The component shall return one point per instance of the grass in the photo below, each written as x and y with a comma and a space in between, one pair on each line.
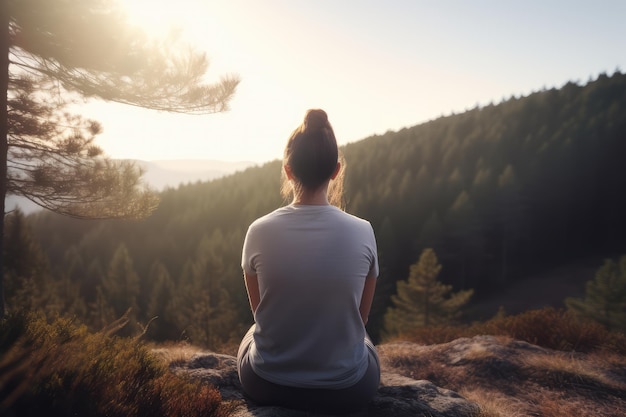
174, 353
494, 404
593, 371
59, 369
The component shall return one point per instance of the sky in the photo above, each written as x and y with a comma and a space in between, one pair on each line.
374, 66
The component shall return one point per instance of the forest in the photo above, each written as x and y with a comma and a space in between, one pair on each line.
499, 192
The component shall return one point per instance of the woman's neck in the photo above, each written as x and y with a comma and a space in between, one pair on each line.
312, 198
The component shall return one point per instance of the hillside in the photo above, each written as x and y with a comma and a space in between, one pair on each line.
502, 193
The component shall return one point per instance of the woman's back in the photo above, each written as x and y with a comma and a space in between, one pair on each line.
311, 262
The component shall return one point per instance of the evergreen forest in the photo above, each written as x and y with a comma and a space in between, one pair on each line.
499, 192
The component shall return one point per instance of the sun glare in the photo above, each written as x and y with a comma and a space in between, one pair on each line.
157, 17
192, 21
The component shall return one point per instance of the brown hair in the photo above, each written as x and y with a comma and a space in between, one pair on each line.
312, 155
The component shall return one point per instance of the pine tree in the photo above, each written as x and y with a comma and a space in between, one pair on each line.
605, 296
422, 300
24, 257
160, 304
63, 298
26, 269
54, 52
118, 293
201, 308
214, 315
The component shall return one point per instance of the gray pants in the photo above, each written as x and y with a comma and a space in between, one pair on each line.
336, 401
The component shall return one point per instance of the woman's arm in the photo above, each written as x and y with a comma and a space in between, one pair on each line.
252, 286
367, 297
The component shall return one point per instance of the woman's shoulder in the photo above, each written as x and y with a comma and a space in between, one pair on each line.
354, 224
270, 217
354, 218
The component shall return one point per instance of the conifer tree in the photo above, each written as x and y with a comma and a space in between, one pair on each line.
94, 275
605, 296
24, 257
68, 299
54, 52
119, 291
422, 300
201, 309
26, 270
214, 316
160, 304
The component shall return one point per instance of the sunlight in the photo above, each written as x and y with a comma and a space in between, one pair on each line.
157, 17
202, 26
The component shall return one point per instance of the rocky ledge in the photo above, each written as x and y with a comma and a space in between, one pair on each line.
482, 376
398, 395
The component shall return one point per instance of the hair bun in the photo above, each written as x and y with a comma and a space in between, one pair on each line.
315, 119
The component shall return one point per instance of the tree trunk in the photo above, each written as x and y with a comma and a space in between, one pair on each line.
4, 127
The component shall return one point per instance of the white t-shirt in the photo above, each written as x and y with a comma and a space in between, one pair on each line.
311, 262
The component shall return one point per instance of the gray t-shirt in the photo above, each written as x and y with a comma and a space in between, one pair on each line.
311, 262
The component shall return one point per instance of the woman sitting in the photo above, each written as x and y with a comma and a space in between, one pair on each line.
310, 271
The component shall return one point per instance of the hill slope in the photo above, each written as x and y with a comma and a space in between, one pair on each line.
501, 193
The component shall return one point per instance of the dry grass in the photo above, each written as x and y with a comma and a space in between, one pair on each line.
594, 370
477, 352
175, 353
544, 404
60, 369
547, 327
493, 404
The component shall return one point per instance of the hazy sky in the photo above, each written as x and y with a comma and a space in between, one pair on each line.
373, 66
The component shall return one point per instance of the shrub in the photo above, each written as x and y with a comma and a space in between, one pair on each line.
547, 327
60, 369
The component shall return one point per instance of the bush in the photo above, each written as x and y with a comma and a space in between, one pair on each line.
60, 369
547, 327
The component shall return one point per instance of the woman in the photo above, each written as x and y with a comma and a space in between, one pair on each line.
310, 271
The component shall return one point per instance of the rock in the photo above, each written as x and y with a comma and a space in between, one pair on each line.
398, 396
215, 369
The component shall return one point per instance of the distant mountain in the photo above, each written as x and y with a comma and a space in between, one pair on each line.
172, 173
161, 175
